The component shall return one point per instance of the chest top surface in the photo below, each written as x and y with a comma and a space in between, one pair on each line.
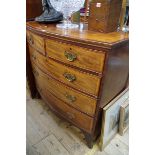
82, 34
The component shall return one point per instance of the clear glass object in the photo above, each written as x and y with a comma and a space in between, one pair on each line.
125, 28
67, 7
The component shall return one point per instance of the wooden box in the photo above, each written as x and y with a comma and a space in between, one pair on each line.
104, 15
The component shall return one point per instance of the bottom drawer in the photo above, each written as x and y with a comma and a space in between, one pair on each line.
72, 115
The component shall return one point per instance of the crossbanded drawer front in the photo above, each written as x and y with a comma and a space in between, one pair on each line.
72, 77
79, 119
36, 41
77, 56
74, 98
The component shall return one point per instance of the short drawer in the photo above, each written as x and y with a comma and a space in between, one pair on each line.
36, 41
72, 97
72, 115
72, 77
37, 58
75, 55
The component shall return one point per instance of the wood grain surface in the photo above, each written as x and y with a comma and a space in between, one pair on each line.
85, 58
36, 41
33, 9
77, 118
100, 74
82, 35
104, 15
82, 102
117, 73
29, 74
86, 82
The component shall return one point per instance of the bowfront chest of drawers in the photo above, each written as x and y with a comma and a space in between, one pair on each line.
77, 72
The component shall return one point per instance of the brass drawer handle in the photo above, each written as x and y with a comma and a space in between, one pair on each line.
69, 77
35, 72
70, 56
31, 39
70, 97
34, 57
70, 115
39, 89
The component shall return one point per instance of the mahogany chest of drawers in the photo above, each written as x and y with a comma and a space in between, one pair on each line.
78, 72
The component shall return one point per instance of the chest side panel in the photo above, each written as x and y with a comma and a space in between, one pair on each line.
116, 74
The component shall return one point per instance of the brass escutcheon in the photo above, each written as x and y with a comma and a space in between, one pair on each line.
70, 56
69, 77
35, 72
70, 97
70, 115
31, 39
34, 57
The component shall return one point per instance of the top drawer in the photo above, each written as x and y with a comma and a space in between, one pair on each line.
74, 55
36, 41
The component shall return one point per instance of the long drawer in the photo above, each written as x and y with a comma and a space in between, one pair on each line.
72, 115
77, 118
72, 97
72, 77
74, 55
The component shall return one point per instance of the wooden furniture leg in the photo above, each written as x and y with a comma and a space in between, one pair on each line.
89, 139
